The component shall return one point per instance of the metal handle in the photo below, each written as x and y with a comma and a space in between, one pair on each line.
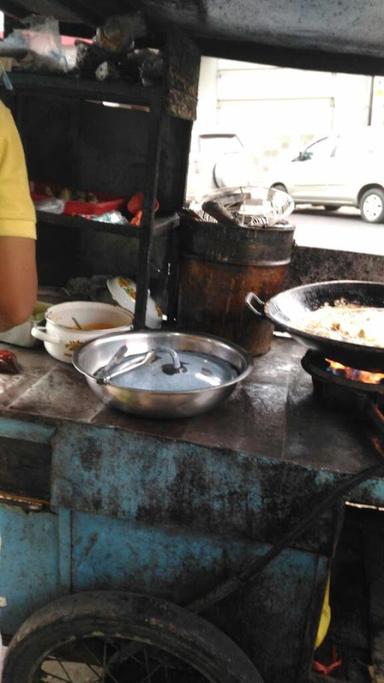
115, 360
116, 366
39, 332
255, 304
219, 212
104, 377
175, 357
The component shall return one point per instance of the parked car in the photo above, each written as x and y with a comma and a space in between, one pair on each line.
337, 170
218, 160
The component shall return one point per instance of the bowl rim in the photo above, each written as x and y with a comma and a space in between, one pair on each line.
100, 304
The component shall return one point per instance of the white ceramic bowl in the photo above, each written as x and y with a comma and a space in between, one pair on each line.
60, 334
123, 291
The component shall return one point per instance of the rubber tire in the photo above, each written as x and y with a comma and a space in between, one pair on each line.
218, 183
279, 186
380, 193
138, 617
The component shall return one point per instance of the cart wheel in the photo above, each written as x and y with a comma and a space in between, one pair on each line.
111, 637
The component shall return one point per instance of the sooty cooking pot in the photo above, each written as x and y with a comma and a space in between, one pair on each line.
162, 374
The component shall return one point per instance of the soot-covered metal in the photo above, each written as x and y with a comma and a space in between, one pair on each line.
343, 36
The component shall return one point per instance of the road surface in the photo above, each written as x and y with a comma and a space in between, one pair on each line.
342, 229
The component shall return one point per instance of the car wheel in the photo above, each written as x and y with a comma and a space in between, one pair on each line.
331, 207
372, 205
279, 186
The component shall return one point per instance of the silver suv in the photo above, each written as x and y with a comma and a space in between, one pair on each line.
338, 170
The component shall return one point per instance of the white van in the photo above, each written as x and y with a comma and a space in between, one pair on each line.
337, 170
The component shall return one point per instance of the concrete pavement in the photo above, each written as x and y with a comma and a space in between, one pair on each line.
342, 230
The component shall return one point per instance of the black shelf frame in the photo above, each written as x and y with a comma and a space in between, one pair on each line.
151, 102
161, 225
147, 98
176, 97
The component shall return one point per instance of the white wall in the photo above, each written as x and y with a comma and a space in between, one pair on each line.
278, 110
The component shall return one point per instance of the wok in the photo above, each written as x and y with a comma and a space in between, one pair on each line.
286, 309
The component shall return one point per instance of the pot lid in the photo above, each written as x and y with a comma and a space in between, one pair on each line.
165, 370
123, 291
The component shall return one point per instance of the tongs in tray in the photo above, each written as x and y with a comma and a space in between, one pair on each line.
116, 366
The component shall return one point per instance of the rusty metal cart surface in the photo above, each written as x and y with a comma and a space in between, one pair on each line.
93, 500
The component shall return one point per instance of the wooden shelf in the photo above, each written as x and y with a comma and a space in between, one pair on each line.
162, 225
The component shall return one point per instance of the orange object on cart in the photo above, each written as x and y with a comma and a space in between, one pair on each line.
135, 206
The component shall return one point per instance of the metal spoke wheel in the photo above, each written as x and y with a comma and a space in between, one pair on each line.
108, 637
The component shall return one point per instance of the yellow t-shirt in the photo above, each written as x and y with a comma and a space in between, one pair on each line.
17, 213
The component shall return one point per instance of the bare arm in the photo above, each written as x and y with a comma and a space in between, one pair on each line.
18, 280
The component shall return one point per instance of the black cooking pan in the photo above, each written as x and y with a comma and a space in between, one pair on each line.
286, 309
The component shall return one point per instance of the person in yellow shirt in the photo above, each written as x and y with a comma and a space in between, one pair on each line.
18, 277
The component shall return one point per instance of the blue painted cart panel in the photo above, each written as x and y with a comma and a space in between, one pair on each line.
179, 565
161, 482
34, 562
45, 554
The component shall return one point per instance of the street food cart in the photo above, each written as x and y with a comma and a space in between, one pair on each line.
187, 549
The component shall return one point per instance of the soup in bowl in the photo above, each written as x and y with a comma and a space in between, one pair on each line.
71, 324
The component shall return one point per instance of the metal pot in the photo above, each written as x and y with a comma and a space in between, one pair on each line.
162, 374
221, 261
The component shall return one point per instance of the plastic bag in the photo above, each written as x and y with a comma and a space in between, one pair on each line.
51, 205
114, 217
41, 42
120, 31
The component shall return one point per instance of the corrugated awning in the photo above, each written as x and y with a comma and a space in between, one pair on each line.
346, 33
